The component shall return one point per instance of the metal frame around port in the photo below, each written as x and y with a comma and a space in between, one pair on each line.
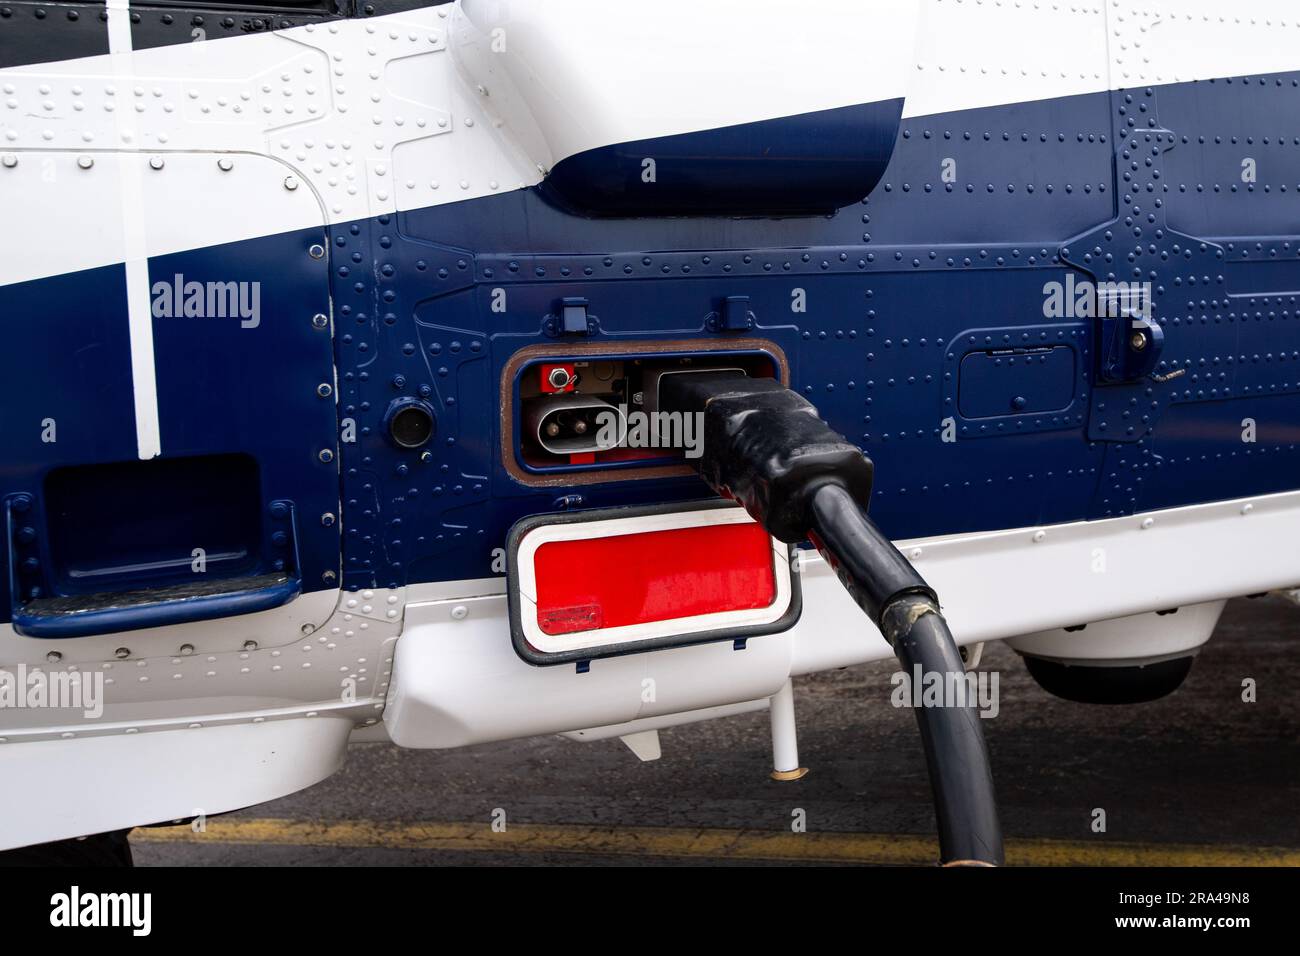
603, 472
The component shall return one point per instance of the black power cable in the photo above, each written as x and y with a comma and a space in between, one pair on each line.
766, 447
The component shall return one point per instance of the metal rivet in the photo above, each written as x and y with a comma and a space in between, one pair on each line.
1040, 535
187, 649
54, 657
290, 183
328, 577
326, 455
156, 162
1148, 522
320, 320
85, 162
308, 629
1138, 341
1247, 509
459, 612
122, 653
324, 390
9, 160
317, 251
250, 645
225, 165
327, 519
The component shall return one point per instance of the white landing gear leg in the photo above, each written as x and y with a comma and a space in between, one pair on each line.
785, 744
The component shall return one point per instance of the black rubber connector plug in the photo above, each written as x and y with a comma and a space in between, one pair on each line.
768, 448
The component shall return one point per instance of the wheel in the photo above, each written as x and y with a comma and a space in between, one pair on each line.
1091, 684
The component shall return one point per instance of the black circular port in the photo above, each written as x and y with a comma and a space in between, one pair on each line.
410, 423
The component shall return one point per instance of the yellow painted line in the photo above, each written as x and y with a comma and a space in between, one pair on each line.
717, 844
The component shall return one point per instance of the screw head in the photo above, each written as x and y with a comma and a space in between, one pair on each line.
326, 455
9, 160
54, 657
327, 519
85, 162
324, 390
122, 653
225, 165
1138, 341
290, 183
328, 577
187, 649
156, 162
320, 320
250, 645
316, 251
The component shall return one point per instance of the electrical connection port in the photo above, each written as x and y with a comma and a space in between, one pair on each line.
591, 410
575, 425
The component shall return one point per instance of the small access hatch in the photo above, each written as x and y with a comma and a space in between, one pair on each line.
1016, 381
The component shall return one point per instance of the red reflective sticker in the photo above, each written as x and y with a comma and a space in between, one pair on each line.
627, 579
567, 620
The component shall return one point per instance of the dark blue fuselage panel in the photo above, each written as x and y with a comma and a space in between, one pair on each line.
918, 320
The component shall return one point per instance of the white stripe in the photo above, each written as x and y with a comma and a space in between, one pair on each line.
383, 114
119, 26
371, 115
144, 383
583, 74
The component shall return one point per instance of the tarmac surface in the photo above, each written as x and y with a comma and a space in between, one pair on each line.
1198, 777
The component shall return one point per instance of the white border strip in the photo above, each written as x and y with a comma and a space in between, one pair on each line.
613, 527
144, 382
